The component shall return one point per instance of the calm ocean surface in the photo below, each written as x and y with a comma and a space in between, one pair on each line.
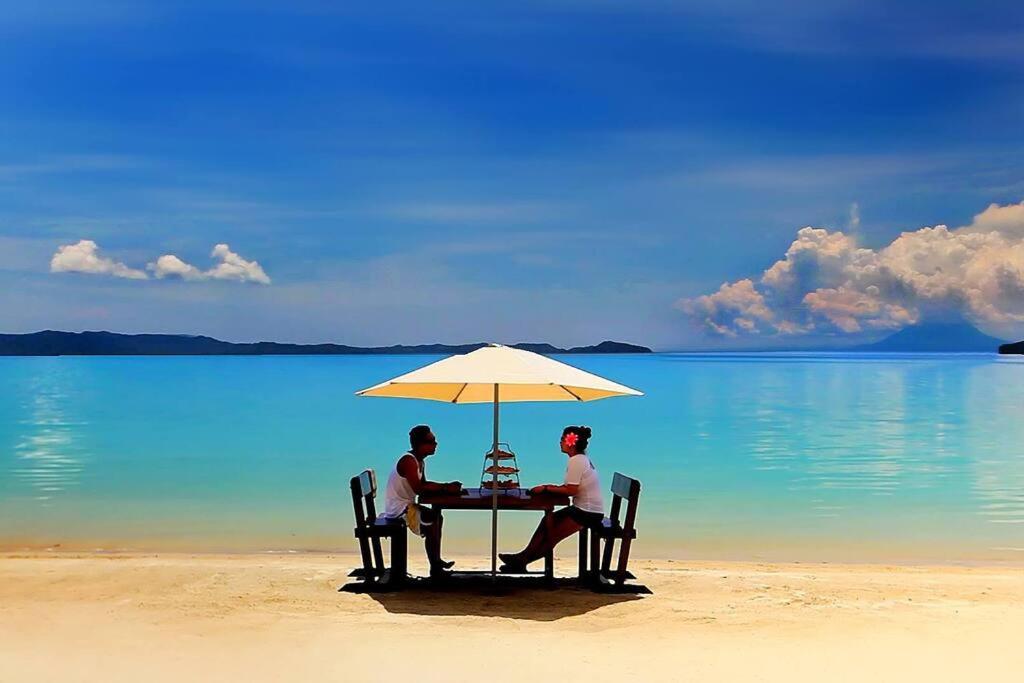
781, 456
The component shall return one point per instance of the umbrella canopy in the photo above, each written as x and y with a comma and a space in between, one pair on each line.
520, 376
493, 374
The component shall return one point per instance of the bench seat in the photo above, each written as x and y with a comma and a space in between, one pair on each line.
609, 528
371, 528
625, 490
381, 527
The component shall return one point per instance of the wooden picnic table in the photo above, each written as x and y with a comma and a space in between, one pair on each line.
508, 499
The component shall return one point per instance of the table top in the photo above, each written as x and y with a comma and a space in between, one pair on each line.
508, 499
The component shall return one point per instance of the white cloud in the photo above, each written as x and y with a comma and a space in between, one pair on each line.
231, 267
853, 311
734, 309
826, 282
84, 257
1007, 220
234, 267
170, 265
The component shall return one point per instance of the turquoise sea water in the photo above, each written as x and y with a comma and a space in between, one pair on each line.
774, 456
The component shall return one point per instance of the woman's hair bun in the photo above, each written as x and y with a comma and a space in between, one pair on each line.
583, 434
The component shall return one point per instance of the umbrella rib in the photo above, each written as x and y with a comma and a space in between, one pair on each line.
464, 385
570, 392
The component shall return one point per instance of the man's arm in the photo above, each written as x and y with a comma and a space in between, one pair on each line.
409, 468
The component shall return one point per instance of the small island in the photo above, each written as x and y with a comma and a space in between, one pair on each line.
1015, 347
55, 343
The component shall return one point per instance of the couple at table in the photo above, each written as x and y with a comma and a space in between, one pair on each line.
408, 479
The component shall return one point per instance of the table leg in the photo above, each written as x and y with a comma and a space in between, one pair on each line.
549, 556
438, 510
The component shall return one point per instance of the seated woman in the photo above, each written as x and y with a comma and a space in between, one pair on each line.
587, 509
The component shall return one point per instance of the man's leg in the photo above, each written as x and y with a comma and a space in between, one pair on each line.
432, 544
445, 564
430, 524
432, 532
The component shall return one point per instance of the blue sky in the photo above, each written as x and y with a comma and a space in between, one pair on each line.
563, 171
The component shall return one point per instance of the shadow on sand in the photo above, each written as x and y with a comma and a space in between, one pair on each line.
510, 597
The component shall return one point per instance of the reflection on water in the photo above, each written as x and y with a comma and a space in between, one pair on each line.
814, 432
889, 430
48, 461
1000, 483
998, 457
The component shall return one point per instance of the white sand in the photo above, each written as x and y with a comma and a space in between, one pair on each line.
257, 617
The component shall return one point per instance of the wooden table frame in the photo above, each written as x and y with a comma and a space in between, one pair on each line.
508, 499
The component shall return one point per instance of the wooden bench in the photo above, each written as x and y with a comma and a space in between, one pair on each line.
370, 528
600, 573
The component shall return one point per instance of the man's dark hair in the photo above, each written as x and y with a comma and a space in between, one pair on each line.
418, 435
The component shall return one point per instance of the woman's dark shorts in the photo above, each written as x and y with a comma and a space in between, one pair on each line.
582, 517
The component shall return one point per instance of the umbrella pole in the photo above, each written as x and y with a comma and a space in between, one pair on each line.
494, 494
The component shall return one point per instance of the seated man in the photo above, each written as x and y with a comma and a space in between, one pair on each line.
406, 481
587, 509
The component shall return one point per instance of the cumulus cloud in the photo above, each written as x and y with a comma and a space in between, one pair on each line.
735, 308
170, 265
1007, 220
84, 257
826, 282
234, 267
231, 267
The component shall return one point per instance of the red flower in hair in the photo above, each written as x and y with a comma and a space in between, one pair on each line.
571, 438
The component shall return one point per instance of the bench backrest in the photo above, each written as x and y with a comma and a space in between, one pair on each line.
364, 490
624, 489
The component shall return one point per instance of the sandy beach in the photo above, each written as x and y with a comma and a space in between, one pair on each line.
83, 617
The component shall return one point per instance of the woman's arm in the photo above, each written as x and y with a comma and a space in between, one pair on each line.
557, 489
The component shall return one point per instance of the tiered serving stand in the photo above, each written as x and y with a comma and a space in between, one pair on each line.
501, 470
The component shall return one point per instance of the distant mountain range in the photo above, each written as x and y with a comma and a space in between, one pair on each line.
928, 337
53, 343
946, 337
935, 337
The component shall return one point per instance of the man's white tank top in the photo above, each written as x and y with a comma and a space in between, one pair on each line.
398, 494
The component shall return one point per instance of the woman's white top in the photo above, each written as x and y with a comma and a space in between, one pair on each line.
580, 471
398, 494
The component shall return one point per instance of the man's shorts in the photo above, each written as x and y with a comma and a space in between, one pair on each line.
582, 517
418, 517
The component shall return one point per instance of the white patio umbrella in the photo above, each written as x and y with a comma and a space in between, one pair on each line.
495, 374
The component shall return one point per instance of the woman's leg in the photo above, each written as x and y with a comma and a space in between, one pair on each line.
562, 526
536, 541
